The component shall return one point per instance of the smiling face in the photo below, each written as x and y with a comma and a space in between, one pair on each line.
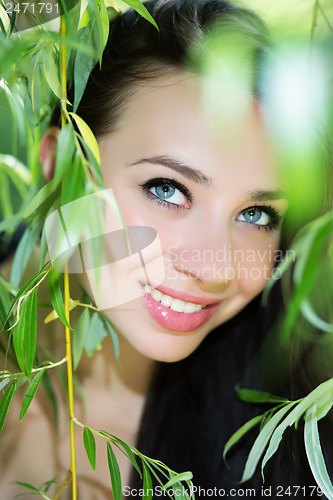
215, 202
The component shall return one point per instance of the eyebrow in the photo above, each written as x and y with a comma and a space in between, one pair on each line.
182, 168
200, 178
277, 194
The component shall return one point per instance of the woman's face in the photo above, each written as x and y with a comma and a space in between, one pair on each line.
213, 196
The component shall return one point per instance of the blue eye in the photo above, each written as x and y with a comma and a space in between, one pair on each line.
264, 217
167, 192
164, 191
255, 216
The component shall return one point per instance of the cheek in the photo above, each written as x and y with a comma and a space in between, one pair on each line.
254, 264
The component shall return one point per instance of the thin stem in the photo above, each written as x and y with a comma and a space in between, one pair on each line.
6, 374
63, 486
70, 386
63, 82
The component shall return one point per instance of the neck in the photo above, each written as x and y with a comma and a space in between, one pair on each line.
130, 375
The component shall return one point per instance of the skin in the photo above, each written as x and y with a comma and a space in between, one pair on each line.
168, 118
165, 118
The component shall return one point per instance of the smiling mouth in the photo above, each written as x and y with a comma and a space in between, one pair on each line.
172, 303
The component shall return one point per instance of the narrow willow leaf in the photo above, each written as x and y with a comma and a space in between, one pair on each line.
4, 405
18, 339
65, 152
83, 66
56, 297
126, 449
105, 28
90, 446
26, 485
261, 442
184, 476
30, 394
30, 330
251, 396
4, 382
51, 72
240, 433
80, 336
4, 304
87, 136
96, 334
42, 195
23, 252
316, 395
114, 338
73, 186
141, 9
114, 473
315, 454
147, 483
24, 288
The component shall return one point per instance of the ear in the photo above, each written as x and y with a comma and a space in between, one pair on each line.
47, 152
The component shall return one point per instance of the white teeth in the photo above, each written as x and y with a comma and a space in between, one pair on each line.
147, 289
189, 307
178, 305
166, 300
156, 295
174, 304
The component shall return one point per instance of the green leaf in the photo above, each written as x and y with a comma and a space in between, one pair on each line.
30, 330
96, 334
51, 72
56, 297
87, 136
240, 433
294, 416
4, 405
114, 473
261, 442
114, 338
141, 9
24, 288
184, 476
147, 483
30, 394
90, 446
73, 186
127, 450
18, 339
251, 396
23, 252
315, 454
4, 382
65, 152
80, 336
42, 196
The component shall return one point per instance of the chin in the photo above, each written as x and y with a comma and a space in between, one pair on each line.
167, 347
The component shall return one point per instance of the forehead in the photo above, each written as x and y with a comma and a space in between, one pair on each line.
170, 117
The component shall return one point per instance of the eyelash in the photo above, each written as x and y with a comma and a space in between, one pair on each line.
275, 217
146, 186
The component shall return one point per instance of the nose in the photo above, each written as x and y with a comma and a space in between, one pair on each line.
206, 256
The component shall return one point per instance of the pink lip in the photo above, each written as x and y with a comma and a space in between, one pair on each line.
176, 321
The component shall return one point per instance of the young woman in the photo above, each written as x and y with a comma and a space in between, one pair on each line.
204, 178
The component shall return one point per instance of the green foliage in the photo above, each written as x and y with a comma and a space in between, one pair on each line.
24, 337
4, 404
30, 394
90, 446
